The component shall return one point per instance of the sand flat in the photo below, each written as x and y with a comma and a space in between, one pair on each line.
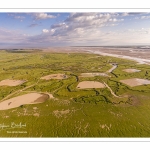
14, 102
90, 84
135, 82
131, 70
139, 60
54, 76
9, 82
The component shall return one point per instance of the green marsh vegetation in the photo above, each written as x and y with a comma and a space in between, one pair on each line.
75, 112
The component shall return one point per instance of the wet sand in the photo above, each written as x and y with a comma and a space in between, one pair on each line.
136, 53
135, 82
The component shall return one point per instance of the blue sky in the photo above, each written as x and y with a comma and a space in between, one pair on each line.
35, 30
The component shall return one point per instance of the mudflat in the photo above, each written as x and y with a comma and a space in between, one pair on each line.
31, 98
9, 82
54, 76
135, 82
90, 84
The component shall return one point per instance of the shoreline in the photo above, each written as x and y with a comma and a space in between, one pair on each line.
139, 60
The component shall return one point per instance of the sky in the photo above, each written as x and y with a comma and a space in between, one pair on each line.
44, 29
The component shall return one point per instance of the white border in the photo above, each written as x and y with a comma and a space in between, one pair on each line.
75, 4
65, 10
72, 139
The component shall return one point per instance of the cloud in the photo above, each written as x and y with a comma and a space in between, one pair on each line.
11, 36
88, 19
125, 14
126, 37
139, 31
115, 20
77, 28
79, 25
33, 25
80, 29
19, 17
58, 25
45, 31
145, 17
142, 17
39, 16
136, 13
85, 21
16, 16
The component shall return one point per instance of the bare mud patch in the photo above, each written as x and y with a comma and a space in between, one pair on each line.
135, 82
31, 98
90, 84
9, 82
131, 70
54, 76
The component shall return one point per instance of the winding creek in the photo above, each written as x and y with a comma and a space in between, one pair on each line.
113, 68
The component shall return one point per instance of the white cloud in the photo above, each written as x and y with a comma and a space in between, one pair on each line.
139, 31
38, 16
19, 17
52, 30
82, 28
11, 36
33, 25
125, 14
45, 31
89, 19
115, 20
16, 16
145, 17
142, 17
85, 22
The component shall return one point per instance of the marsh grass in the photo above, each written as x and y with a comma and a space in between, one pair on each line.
74, 112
